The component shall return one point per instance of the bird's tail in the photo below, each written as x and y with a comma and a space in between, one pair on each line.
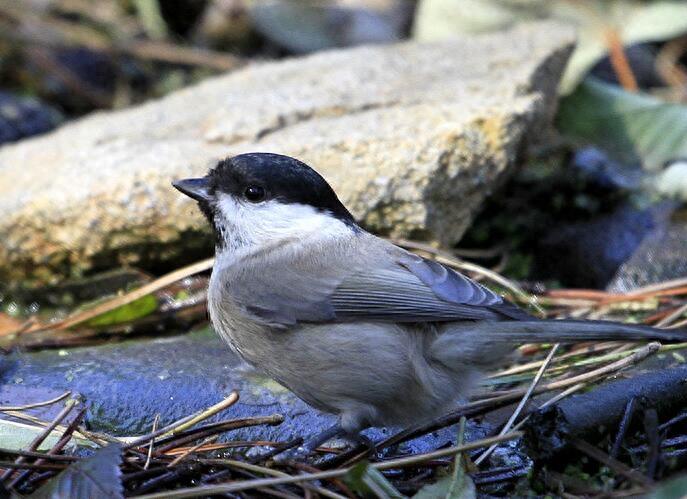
569, 331
481, 343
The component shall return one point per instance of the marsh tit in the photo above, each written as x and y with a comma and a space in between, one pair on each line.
352, 324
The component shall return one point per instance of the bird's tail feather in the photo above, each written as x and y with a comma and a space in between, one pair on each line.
567, 331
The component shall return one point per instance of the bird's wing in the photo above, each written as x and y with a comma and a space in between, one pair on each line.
393, 286
414, 289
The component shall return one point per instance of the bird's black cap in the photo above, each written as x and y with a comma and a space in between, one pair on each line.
281, 178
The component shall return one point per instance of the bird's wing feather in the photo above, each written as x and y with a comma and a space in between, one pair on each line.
399, 295
394, 286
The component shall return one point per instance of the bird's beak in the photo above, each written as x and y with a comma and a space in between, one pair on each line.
196, 188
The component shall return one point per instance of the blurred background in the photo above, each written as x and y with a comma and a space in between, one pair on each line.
77, 56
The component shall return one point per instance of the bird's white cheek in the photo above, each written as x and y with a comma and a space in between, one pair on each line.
248, 224
257, 224
230, 217
228, 207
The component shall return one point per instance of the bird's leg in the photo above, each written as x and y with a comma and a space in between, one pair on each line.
364, 441
310, 444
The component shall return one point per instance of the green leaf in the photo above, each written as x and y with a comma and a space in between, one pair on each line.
126, 313
458, 484
96, 476
673, 489
444, 489
18, 436
629, 126
633, 20
150, 16
653, 21
366, 481
441, 19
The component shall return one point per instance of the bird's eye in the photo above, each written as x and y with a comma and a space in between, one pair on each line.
254, 193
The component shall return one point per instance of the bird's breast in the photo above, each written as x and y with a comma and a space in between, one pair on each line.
251, 339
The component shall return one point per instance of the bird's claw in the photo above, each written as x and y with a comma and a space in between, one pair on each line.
261, 453
296, 454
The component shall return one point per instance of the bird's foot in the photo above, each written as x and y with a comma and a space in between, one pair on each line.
367, 442
307, 448
296, 454
260, 453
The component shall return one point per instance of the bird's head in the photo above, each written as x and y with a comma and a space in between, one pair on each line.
261, 198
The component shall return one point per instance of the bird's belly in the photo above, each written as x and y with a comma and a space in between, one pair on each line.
368, 373
268, 350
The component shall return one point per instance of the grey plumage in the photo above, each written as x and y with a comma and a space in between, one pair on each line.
374, 343
322, 283
352, 324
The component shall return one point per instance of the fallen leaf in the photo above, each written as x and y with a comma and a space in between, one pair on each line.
631, 127
368, 481
633, 21
96, 476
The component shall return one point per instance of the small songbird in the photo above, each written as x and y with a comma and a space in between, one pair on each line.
352, 324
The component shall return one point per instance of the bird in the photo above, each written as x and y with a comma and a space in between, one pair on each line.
352, 324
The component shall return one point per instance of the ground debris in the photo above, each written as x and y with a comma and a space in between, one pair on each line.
550, 430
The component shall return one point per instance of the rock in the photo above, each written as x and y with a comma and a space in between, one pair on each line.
23, 117
630, 247
298, 26
303, 27
588, 254
124, 385
584, 221
631, 239
660, 256
602, 171
412, 136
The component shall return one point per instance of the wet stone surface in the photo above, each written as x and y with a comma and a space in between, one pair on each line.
631, 247
661, 255
594, 250
22, 117
125, 384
